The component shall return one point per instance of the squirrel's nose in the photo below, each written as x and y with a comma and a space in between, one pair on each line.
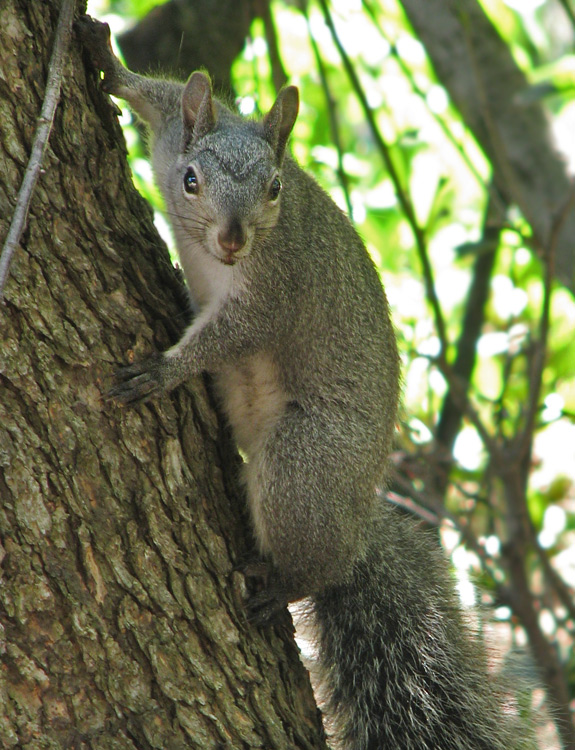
233, 238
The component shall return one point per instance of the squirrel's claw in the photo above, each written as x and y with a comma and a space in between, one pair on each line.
264, 607
137, 382
265, 599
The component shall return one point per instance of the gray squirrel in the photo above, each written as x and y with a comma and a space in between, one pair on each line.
293, 325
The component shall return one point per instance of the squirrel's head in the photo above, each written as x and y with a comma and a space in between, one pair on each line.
229, 171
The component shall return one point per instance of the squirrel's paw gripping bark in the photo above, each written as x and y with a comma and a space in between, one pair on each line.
138, 382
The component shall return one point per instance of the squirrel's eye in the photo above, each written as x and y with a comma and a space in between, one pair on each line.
190, 181
275, 188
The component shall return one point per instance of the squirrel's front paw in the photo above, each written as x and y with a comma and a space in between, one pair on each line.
140, 381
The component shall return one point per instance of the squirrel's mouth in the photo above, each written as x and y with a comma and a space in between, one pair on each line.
229, 260
228, 256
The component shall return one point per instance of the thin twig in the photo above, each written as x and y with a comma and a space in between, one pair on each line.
279, 75
333, 118
45, 122
408, 503
458, 391
563, 592
402, 194
524, 439
422, 94
427, 506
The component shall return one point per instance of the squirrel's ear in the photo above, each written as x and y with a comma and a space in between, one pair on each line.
198, 110
279, 121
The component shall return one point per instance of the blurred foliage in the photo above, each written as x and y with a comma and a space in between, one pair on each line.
446, 177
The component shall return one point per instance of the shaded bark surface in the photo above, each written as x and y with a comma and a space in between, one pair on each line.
185, 35
120, 620
477, 69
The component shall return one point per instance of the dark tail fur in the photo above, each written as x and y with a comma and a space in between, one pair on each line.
401, 667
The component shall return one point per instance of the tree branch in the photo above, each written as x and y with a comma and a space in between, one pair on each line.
524, 438
333, 116
279, 75
451, 415
422, 94
44, 127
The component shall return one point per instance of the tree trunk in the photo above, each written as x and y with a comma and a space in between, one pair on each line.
121, 624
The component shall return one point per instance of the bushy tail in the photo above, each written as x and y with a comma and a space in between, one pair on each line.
401, 668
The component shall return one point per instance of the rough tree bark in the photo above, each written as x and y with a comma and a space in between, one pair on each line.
119, 529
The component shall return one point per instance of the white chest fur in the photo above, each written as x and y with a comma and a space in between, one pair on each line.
253, 399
